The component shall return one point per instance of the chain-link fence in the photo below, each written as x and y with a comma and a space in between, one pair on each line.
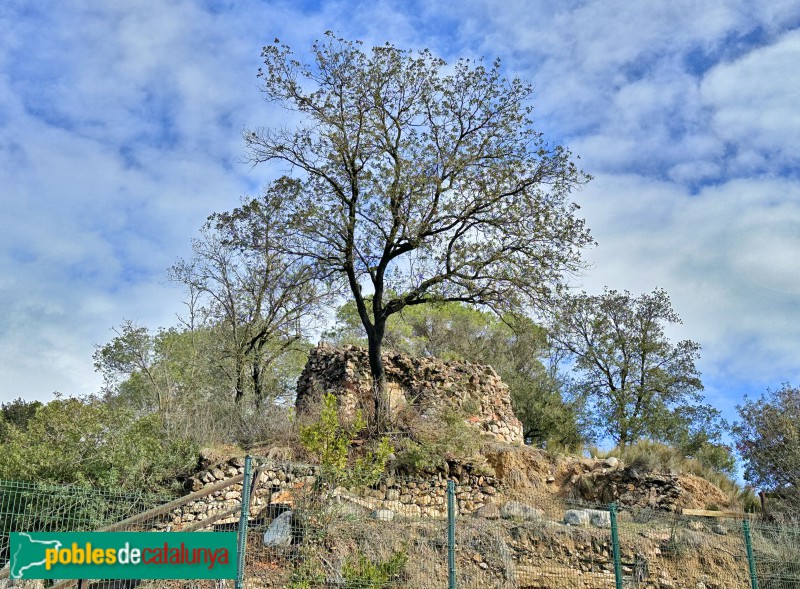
304, 529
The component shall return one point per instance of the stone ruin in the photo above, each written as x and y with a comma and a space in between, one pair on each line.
424, 385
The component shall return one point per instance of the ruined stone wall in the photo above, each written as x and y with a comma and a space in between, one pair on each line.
283, 484
420, 384
287, 484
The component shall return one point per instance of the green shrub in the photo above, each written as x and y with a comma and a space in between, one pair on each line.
329, 440
306, 575
437, 438
362, 573
87, 442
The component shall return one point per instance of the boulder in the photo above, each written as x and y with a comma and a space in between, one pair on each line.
599, 518
611, 462
279, 532
383, 515
576, 517
520, 511
489, 511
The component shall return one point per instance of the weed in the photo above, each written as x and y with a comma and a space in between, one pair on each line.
362, 573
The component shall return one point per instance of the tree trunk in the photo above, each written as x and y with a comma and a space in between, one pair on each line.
258, 385
375, 340
239, 381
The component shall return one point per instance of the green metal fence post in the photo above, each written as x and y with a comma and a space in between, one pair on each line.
615, 546
451, 535
751, 561
245, 514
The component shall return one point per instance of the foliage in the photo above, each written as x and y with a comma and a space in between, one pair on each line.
86, 441
306, 575
16, 413
258, 299
361, 572
514, 346
424, 181
329, 439
768, 439
638, 384
182, 375
157, 372
435, 439
19, 412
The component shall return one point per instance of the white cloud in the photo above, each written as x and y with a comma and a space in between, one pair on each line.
755, 103
726, 256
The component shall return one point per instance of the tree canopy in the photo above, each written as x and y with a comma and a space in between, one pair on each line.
411, 181
88, 441
768, 439
259, 300
639, 384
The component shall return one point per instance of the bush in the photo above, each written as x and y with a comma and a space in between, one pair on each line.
435, 439
306, 575
85, 441
362, 573
329, 440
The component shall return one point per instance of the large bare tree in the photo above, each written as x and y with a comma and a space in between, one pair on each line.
411, 181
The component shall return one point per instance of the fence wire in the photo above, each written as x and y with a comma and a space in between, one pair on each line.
776, 551
306, 530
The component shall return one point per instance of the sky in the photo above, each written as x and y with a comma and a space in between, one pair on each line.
121, 124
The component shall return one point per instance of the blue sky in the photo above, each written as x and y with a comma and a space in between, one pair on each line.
120, 132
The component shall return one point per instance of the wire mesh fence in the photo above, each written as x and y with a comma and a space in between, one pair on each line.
32, 507
776, 554
44, 508
304, 529
662, 549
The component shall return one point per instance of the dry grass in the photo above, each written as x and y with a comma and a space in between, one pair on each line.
654, 457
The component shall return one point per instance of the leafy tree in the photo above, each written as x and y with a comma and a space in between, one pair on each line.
415, 182
134, 354
186, 377
167, 371
698, 433
16, 413
639, 385
768, 439
87, 441
515, 347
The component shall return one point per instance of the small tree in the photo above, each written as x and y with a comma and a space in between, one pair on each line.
329, 440
259, 299
135, 352
414, 182
768, 439
638, 383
